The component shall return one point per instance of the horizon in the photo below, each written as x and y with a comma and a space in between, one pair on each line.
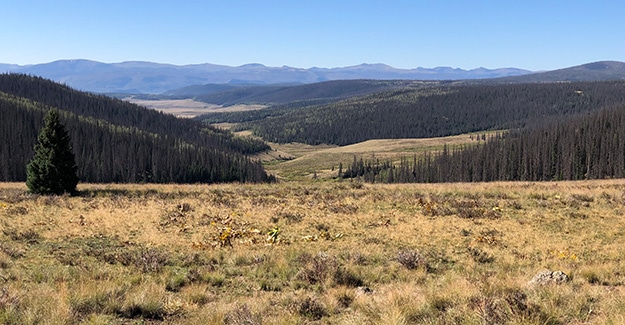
314, 67
276, 66
531, 35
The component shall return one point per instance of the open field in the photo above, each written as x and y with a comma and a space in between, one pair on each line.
296, 161
190, 108
314, 252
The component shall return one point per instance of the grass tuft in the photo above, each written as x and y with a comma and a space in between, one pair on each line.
410, 259
312, 308
241, 315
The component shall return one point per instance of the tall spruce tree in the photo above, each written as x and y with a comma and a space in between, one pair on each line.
52, 169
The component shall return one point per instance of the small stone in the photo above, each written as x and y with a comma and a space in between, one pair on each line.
549, 277
363, 291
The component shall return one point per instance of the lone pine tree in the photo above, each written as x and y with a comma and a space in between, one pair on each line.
52, 169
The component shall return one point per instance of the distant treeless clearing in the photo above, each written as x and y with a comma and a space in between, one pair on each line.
190, 108
294, 161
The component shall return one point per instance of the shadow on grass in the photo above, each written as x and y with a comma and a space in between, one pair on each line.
117, 193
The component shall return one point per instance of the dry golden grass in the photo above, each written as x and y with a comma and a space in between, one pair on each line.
189, 108
189, 254
297, 161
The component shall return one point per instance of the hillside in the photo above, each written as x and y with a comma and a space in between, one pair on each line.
595, 71
284, 99
115, 141
197, 90
575, 148
327, 91
432, 112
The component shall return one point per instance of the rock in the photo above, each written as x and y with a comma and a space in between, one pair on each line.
549, 277
363, 291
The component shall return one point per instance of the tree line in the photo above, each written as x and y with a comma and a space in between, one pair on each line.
115, 141
574, 148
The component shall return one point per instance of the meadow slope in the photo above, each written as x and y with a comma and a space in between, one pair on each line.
313, 252
299, 161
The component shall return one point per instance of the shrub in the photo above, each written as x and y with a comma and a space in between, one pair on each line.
317, 269
146, 309
410, 259
345, 277
100, 302
345, 299
13, 252
311, 308
175, 283
150, 259
481, 256
268, 285
8, 300
241, 315
291, 217
30, 236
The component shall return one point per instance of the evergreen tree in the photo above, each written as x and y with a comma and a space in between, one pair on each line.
52, 169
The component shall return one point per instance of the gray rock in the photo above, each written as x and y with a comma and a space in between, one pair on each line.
549, 277
363, 291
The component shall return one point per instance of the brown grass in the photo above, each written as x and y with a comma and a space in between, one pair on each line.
297, 161
444, 254
189, 108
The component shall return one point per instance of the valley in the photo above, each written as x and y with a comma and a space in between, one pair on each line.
297, 161
290, 204
312, 163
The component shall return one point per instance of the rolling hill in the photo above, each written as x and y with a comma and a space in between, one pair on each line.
327, 91
330, 91
595, 71
433, 111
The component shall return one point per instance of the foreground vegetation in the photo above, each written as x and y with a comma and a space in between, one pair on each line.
340, 253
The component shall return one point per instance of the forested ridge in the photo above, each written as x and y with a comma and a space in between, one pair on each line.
327, 91
435, 111
115, 141
574, 148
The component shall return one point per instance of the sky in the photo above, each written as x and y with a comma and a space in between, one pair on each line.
529, 34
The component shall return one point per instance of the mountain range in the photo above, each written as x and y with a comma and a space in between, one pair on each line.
156, 78
595, 71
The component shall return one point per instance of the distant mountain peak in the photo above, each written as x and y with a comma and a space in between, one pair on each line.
253, 65
156, 78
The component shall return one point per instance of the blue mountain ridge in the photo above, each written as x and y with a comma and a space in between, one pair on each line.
156, 78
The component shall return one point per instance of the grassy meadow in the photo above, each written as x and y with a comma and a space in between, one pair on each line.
314, 253
189, 108
298, 161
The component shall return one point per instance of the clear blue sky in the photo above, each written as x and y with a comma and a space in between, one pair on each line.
529, 34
